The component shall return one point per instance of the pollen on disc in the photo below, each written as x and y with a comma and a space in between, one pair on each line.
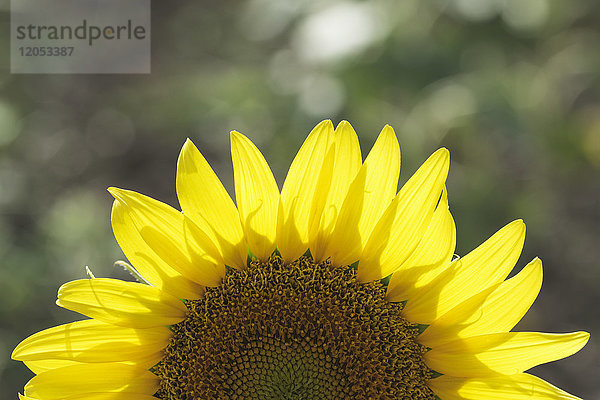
294, 331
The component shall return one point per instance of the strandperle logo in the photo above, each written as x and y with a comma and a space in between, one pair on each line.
83, 31
80, 36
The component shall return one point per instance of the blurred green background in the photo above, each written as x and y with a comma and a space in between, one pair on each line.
511, 87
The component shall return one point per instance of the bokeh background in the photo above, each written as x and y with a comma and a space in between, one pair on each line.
511, 87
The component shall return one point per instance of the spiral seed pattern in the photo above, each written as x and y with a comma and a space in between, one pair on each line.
294, 331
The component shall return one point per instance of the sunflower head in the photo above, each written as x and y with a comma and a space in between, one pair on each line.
338, 286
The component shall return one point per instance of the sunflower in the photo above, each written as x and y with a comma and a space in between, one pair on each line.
335, 287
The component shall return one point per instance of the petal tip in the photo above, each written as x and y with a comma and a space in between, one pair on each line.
188, 146
520, 225
16, 353
584, 336
388, 128
343, 125
580, 338
536, 264
443, 153
236, 137
324, 127
115, 192
326, 122
61, 304
121, 194
388, 131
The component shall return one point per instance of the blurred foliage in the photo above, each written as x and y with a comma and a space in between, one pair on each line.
510, 87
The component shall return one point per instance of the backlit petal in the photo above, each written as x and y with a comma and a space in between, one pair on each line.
346, 164
511, 387
101, 396
405, 222
204, 199
502, 353
300, 190
162, 228
39, 366
92, 341
369, 194
497, 309
487, 265
58, 384
256, 194
153, 268
430, 258
121, 303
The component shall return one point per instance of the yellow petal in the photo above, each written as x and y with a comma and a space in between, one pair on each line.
346, 164
39, 366
111, 396
512, 387
369, 194
204, 199
502, 353
92, 341
121, 303
58, 384
102, 396
405, 222
430, 258
256, 194
487, 265
205, 259
162, 228
299, 191
497, 309
146, 261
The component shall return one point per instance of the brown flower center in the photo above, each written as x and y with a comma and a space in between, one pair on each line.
294, 331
